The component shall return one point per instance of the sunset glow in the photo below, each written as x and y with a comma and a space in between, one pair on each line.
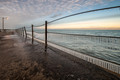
90, 25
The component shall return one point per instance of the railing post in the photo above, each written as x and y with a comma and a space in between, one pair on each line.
25, 32
3, 23
32, 34
21, 31
45, 36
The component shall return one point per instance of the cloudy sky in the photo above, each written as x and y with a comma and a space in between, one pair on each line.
26, 12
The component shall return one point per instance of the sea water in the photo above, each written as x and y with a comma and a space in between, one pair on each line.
103, 44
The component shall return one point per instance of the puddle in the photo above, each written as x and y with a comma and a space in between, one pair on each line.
10, 36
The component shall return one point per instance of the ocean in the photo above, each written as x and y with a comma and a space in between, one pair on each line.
103, 44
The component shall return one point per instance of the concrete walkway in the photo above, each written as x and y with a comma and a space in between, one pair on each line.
21, 60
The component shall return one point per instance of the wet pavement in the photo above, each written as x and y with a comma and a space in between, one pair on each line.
20, 60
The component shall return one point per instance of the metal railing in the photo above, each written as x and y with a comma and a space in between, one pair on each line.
92, 59
114, 67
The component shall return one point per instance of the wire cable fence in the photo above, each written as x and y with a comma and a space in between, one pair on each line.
102, 50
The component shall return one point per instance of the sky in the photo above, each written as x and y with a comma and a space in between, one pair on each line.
26, 12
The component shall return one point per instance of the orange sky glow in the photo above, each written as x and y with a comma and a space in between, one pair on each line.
107, 24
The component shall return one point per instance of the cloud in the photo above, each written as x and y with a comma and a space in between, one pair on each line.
56, 15
5, 0
21, 11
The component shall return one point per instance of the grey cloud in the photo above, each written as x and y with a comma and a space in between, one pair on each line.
5, 0
56, 15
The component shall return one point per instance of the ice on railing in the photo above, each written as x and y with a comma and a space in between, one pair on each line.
102, 63
103, 47
29, 33
98, 51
